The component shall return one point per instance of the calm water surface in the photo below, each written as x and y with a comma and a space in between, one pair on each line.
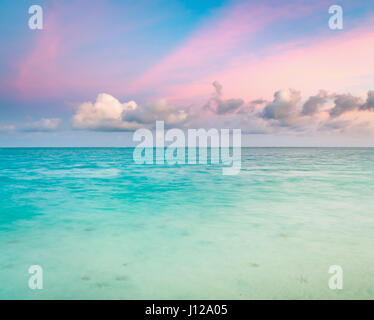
103, 227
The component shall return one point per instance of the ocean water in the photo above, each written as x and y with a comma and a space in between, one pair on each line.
103, 227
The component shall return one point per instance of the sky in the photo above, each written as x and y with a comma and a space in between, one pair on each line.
99, 70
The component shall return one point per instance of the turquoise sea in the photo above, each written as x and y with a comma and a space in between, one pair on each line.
103, 227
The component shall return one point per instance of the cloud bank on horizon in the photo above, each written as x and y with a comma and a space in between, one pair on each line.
284, 114
275, 67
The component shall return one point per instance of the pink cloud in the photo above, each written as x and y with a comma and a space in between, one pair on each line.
39, 68
54, 66
333, 62
210, 49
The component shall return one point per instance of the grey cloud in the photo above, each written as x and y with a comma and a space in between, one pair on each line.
225, 106
312, 105
284, 105
344, 103
221, 106
369, 104
218, 87
258, 101
335, 125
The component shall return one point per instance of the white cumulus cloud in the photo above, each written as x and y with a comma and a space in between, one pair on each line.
108, 114
105, 114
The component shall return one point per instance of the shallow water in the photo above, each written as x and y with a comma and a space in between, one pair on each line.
102, 226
